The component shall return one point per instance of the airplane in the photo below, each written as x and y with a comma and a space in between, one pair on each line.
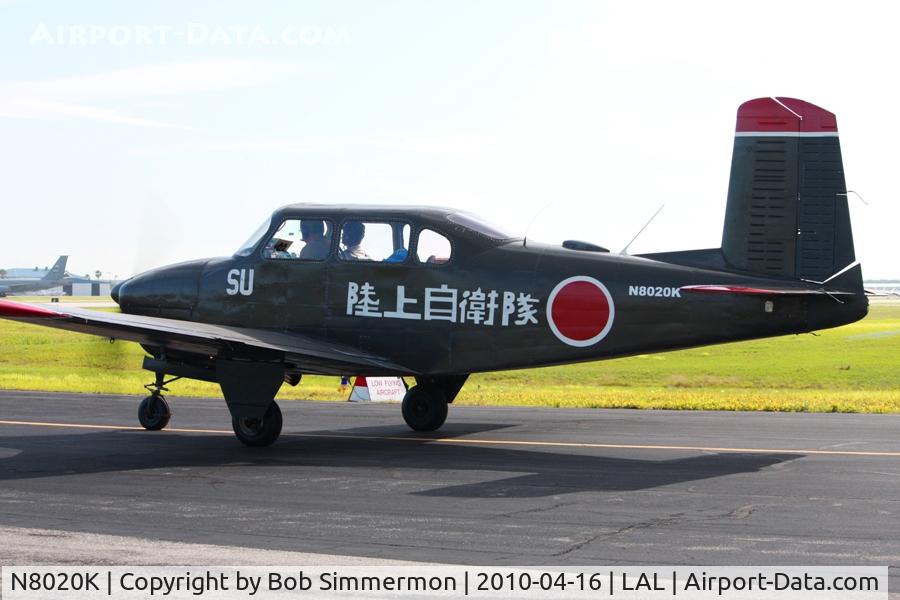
436, 294
18, 281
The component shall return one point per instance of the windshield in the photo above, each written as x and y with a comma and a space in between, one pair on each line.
478, 224
247, 247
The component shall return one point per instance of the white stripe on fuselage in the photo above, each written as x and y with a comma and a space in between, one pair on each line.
785, 134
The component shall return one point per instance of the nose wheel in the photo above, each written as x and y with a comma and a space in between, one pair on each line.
153, 411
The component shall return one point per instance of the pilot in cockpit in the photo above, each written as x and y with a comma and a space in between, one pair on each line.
312, 232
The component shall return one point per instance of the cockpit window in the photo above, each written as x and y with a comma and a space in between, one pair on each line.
300, 239
476, 223
433, 248
374, 241
247, 247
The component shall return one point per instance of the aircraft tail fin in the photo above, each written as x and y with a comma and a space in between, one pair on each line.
787, 214
58, 271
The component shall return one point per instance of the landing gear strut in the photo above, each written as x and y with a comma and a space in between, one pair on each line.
153, 412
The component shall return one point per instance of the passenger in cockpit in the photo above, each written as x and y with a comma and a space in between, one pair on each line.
351, 238
312, 232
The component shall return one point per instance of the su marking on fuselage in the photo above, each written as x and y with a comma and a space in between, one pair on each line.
240, 281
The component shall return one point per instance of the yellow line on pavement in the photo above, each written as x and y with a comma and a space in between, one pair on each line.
107, 427
486, 442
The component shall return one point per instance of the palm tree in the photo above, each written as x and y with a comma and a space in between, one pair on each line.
2, 273
98, 273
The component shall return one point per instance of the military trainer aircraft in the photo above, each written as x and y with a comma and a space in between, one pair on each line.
436, 294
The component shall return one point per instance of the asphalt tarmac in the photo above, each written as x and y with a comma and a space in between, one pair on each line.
494, 486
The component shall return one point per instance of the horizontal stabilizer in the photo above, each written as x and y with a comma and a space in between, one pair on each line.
740, 290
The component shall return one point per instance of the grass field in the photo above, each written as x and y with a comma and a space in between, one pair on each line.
850, 369
62, 299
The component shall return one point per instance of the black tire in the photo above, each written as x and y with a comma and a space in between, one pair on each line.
259, 432
424, 408
154, 413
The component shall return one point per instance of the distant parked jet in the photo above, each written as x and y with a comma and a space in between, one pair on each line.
17, 281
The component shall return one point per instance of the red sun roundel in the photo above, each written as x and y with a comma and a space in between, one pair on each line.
580, 311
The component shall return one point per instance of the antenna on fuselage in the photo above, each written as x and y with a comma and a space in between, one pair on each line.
855, 193
533, 219
628, 245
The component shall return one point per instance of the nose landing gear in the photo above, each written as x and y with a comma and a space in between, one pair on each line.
153, 412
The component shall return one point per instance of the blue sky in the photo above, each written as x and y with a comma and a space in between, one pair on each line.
583, 117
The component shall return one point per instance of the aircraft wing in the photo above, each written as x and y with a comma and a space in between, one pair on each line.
312, 355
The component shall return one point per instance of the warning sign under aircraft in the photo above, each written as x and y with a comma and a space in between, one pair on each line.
378, 389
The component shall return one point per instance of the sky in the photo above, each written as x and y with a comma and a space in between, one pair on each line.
138, 134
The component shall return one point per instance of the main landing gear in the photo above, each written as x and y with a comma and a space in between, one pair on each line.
250, 388
261, 431
153, 412
425, 404
424, 407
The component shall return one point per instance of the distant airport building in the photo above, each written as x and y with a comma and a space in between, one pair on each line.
33, 273
87, 288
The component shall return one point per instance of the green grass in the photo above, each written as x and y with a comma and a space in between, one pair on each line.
849, 369
63, 299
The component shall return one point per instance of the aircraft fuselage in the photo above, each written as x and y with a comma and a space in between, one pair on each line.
492, 306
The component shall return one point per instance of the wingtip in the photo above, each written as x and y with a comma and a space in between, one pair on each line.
20, 310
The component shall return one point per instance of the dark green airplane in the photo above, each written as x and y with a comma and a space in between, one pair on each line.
436, 294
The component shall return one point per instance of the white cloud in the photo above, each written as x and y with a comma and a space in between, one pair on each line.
45, 110
158, 80
463, 145
459, 144
240, 146
65, 98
